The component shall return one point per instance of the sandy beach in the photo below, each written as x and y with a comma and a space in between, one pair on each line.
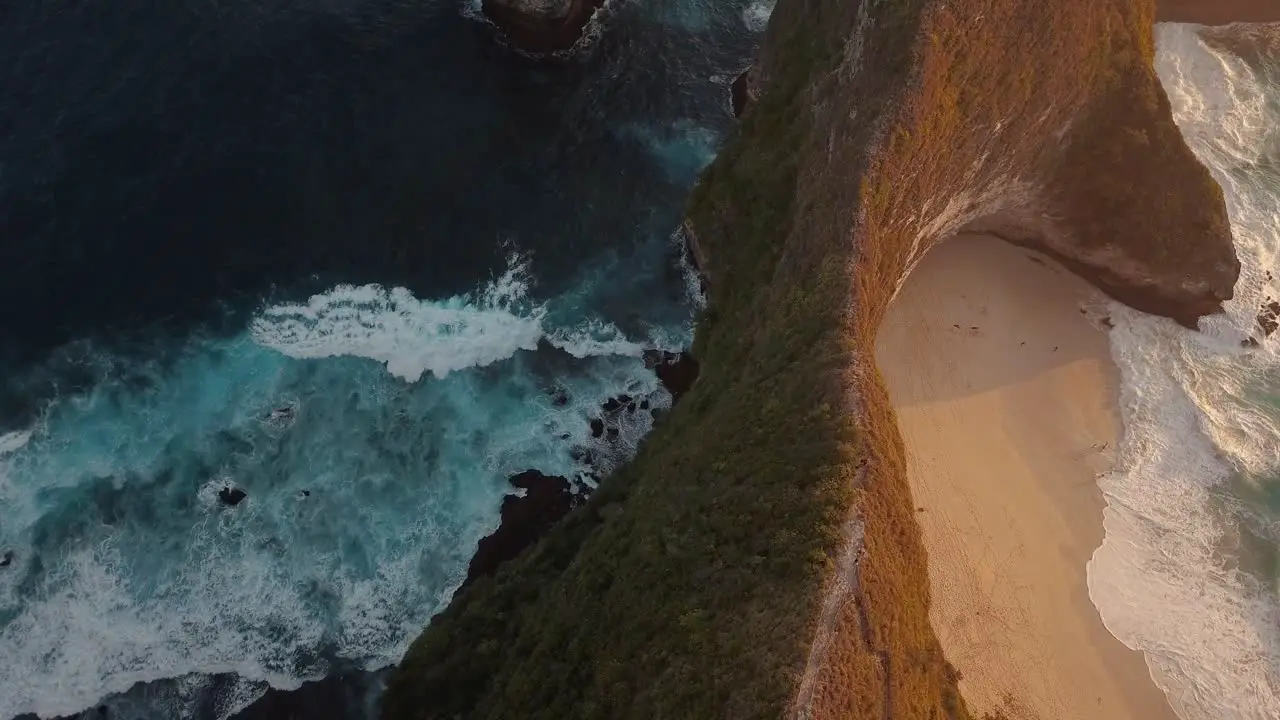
1005, 394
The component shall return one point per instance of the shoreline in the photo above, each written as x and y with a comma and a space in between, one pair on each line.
1006, 397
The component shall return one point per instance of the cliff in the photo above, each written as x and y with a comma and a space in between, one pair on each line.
1218, 12
760, 557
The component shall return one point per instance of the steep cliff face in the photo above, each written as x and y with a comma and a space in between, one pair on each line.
760, 557
1068, 148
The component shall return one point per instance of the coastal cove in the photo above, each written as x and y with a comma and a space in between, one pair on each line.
871, 132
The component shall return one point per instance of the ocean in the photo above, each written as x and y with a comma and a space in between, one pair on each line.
1189, 571
352, 257
412, 240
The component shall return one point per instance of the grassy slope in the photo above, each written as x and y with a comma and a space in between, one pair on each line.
689, 585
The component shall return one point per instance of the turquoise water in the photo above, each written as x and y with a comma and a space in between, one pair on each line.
366, 497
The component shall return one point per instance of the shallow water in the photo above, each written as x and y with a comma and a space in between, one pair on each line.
341, 256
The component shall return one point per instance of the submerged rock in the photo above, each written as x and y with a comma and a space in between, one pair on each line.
231, 496
541, 26
525, 519
6, 558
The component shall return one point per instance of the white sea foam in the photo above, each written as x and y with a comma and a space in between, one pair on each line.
1172, 576
11, 441
756, 15
409, 336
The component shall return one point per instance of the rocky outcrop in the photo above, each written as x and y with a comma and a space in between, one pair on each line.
231, 496
525, 519
541, 26
759, 558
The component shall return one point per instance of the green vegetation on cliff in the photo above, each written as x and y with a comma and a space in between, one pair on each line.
692, 584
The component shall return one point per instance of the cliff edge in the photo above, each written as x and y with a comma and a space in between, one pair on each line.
760, 557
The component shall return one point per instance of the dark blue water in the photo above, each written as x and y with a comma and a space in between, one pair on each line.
369, 213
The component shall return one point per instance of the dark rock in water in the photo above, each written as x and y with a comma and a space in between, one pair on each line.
231, 496
541, 26
346, 693
612, 433
306, 493
560, 400
6, 558
1269, 317
524, 520
677, 371
597, 427
584, 456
